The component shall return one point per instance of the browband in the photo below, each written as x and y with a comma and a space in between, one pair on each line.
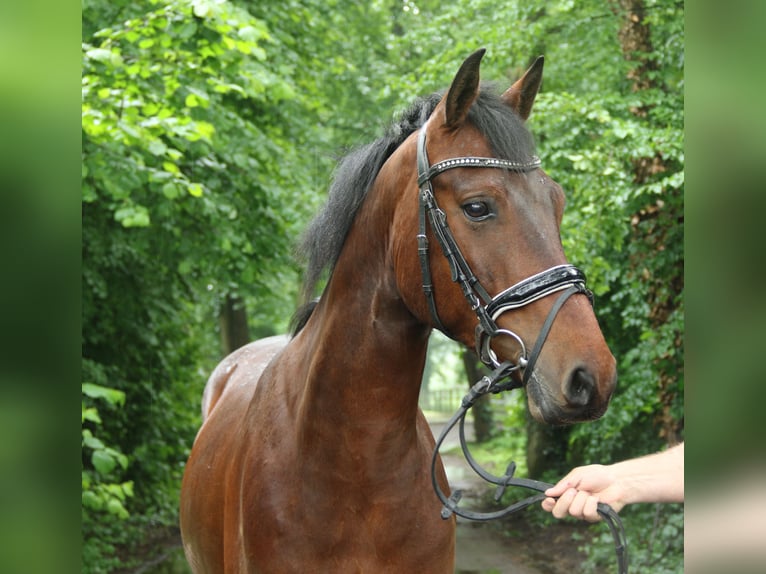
441, 166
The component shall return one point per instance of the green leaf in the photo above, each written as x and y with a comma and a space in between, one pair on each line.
133, 216
205, 130
187, 30
170, 190
252, 34
195, 189
230, 43
114, 506
88, 193
92, 442
112, 396
201, 8
184, 267
90, 414
121, 458
244, 47
91, 500
157, 147
105, 55
99, 54
103, 461
191, 101
174, 154
150, 109
171, 167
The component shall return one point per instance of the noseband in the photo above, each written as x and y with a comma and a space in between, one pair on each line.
566, 278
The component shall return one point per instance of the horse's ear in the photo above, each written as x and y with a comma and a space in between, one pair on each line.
463, 91
521, 95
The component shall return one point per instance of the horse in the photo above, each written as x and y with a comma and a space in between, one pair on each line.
313, 455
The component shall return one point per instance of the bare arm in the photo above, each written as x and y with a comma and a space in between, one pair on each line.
654, 478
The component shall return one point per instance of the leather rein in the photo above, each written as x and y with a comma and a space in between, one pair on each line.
566, 279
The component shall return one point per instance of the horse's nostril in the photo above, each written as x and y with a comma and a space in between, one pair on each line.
580, 387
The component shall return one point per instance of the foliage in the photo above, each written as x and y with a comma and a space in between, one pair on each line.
655, 541
205, 144
209, 133
173, 106
191, 136
104, 493
496, 453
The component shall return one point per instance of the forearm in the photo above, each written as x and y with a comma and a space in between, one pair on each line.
654, 478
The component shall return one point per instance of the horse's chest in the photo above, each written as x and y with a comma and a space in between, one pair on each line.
341, 526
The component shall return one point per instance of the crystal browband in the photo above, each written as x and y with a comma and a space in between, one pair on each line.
441, 166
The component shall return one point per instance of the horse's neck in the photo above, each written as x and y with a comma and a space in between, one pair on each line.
362, 364
364, 354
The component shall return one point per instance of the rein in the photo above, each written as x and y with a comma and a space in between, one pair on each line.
567, 279
492, 383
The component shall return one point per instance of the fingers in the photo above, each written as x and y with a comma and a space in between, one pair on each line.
578, 504
558, 489
564, 503
548, 504
569, 481
585, 507
590, 509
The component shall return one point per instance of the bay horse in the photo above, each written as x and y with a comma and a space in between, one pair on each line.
313, 455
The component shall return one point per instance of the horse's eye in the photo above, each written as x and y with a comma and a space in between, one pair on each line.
476, 210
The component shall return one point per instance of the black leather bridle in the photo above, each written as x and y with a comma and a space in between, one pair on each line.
566, 279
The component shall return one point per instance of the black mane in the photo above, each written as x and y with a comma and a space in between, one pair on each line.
323, 239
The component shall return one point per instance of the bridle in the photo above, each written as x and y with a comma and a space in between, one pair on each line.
566, 279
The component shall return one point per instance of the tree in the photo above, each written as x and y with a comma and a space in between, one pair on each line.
209, 129
192, 139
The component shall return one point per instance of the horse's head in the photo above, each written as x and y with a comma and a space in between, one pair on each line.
493, 250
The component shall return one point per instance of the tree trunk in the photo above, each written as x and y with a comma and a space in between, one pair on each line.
546, 448
233, 323
635, 40
482, 409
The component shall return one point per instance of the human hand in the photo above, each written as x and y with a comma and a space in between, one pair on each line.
657, 477
580, 491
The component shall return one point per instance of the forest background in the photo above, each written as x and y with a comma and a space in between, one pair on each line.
210, 132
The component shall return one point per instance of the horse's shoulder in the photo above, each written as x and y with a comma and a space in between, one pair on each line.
251, 359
